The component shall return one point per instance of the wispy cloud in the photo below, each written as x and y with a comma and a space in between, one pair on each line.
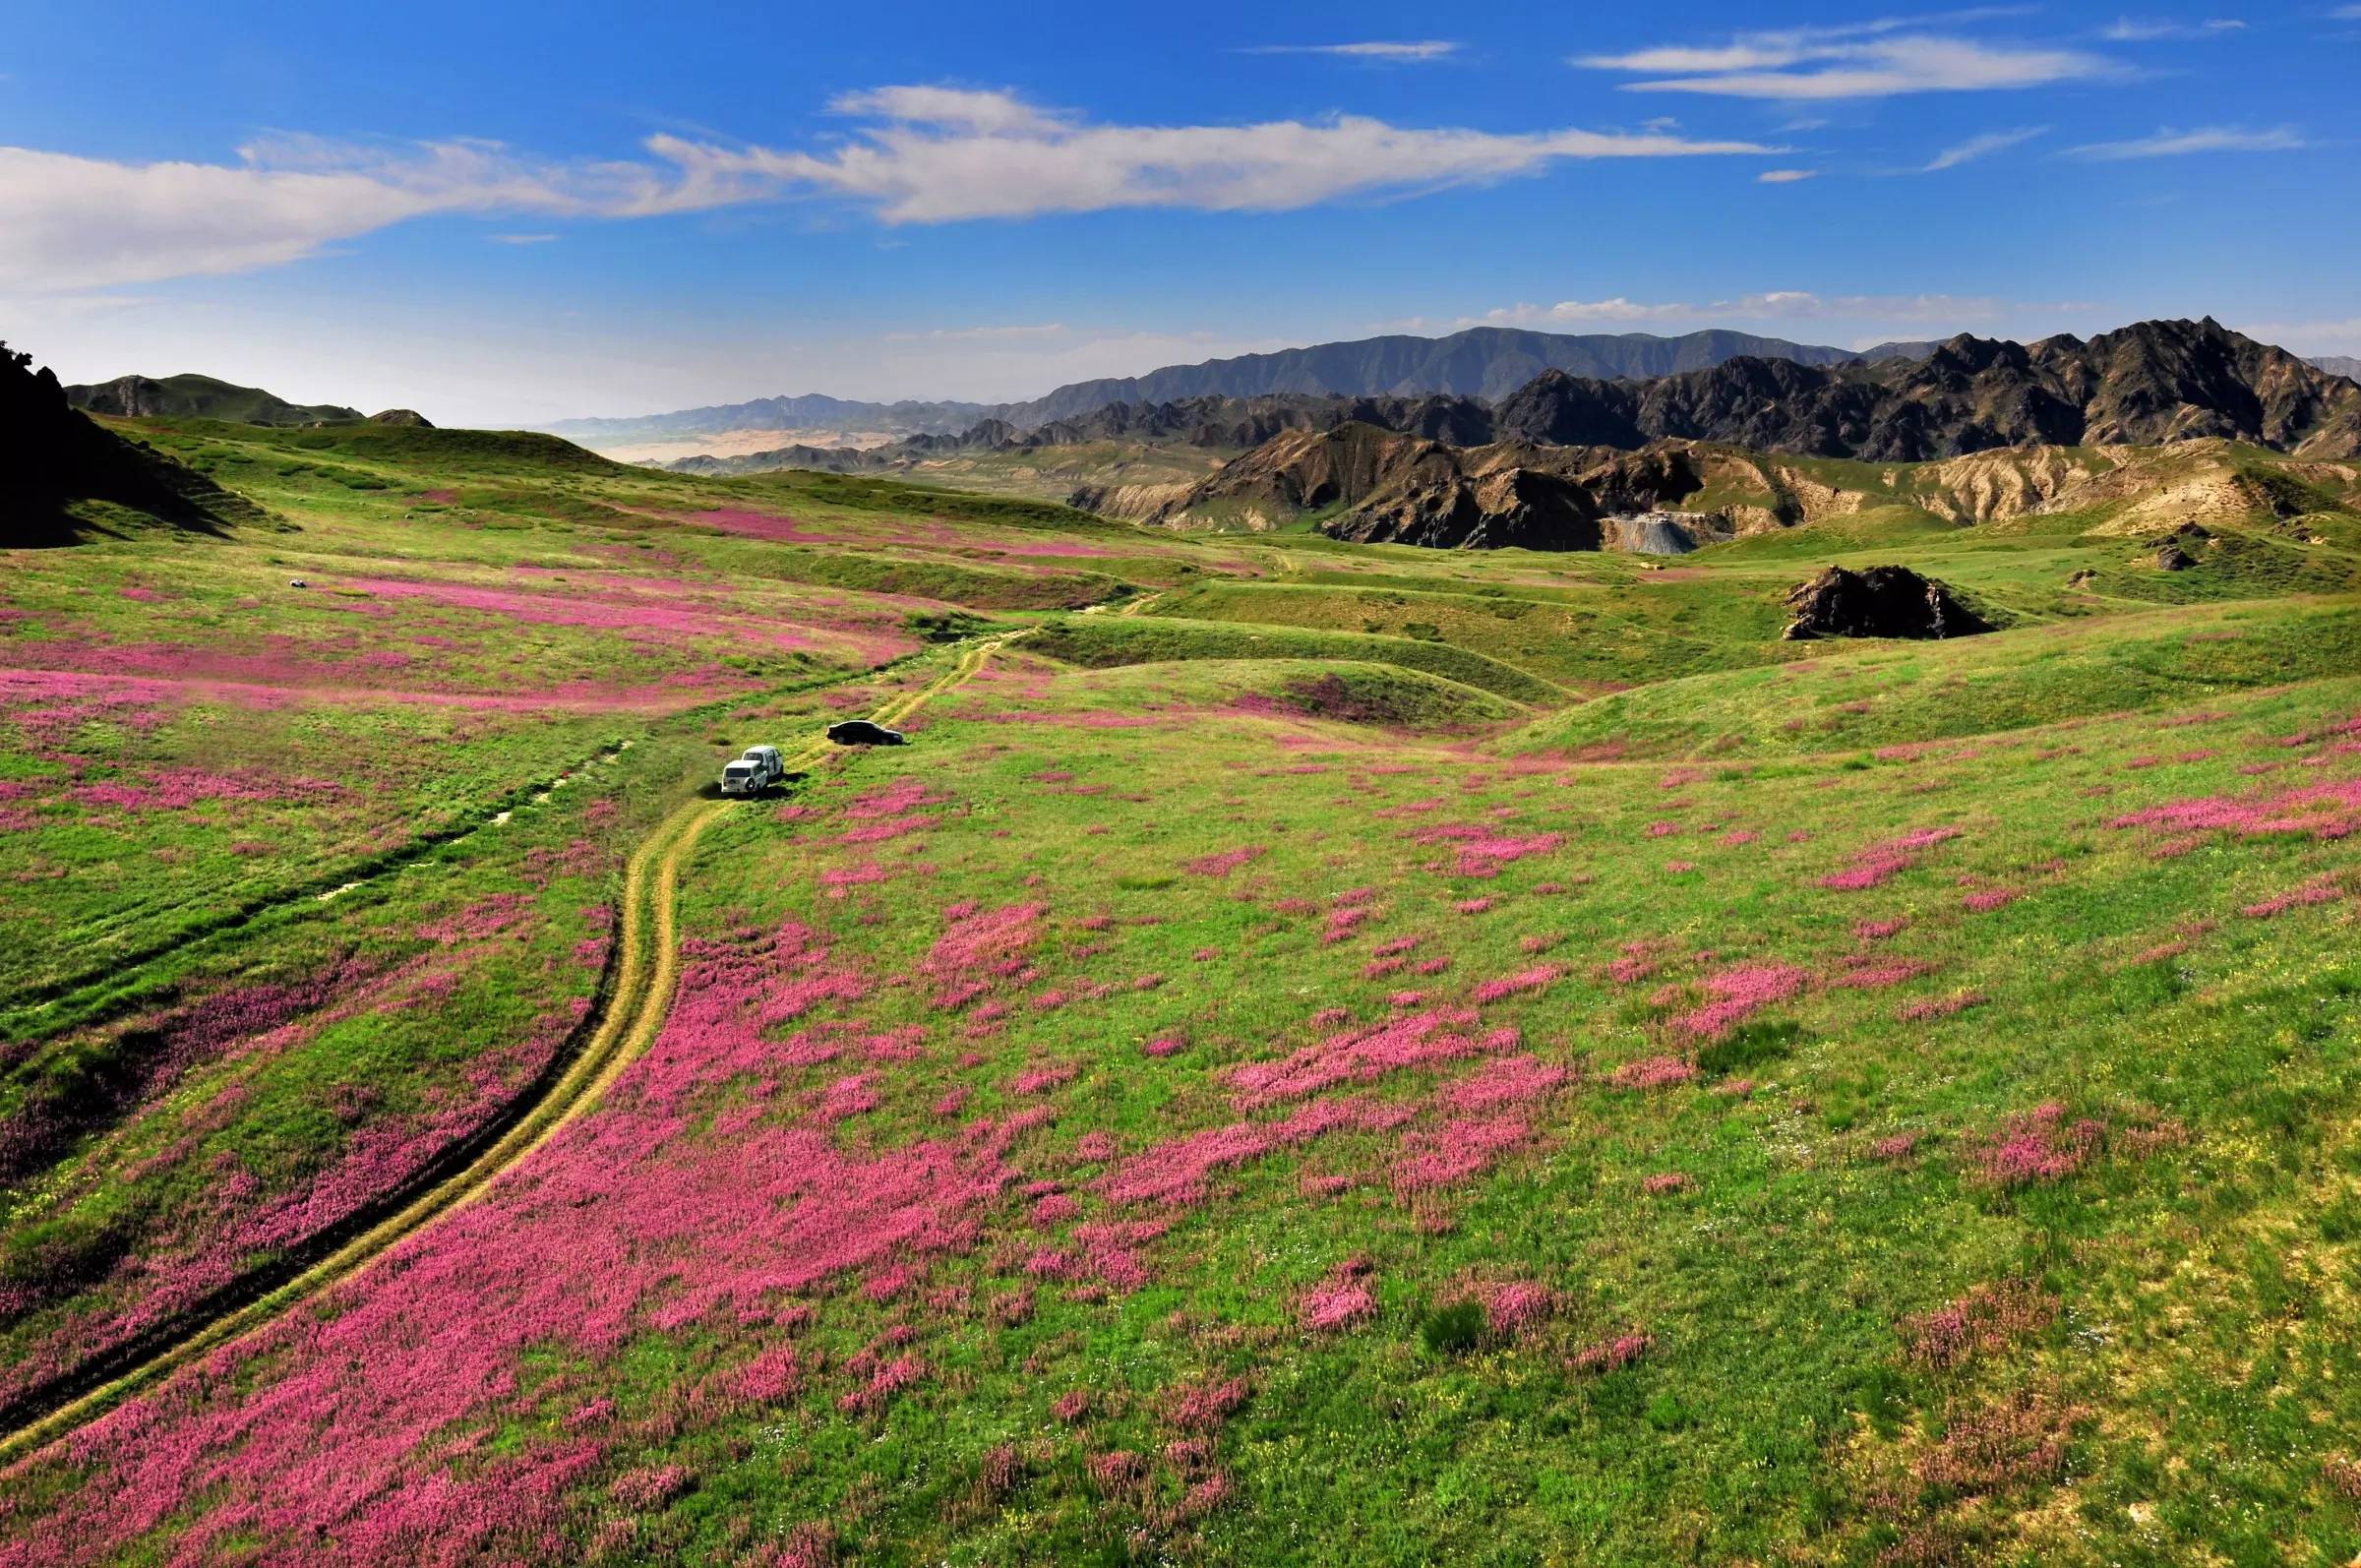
1979, 147
1785, 176
1776, 304
981, 335
2207, 139
2314, 336
2131, 30
926, 154
956, 154
1885, 58
521, 239
1388, 51
77, 223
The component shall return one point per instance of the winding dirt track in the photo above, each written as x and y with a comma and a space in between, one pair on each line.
647, 969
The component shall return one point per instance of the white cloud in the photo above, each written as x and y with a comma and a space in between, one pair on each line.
1897, 313
521, 239
2310, 337
1866, 60
77, 223
978, 159
1420, 51
962, 109
2130, 29
1785, 176
1985, 146
2207, 139
930, 154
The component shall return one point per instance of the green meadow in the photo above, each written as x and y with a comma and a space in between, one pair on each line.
1312, 1052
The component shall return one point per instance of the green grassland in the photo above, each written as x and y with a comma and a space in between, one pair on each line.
1313, 1052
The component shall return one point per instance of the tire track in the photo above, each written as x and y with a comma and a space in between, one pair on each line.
647, 969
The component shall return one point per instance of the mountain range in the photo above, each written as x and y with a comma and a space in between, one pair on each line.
2150, 384
1485, 362
2146, 385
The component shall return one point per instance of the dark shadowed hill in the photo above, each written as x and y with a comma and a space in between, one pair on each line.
201, 397
60, 471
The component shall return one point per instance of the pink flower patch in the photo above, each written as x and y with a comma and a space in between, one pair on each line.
2324, 890
1521, 984
1652, 1072
1504, 1081
2039, 1147
1610, 1356
1517, 1306
1456, 1151
1340, 1300
1881, 863
1940, 1007
1739, 994
2318, 810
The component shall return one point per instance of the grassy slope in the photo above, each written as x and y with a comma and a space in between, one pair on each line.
1189, 798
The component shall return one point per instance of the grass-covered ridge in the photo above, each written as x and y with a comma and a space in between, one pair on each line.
1881, 694
1103, 640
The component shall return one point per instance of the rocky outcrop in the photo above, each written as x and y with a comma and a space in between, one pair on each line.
1879, 602
407, 418
1384, 487
1448, 509
1132, 503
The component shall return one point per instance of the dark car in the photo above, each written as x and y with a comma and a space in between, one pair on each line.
861, 732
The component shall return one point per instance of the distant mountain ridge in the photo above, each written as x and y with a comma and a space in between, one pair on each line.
1487, 362
1481, 362
2149, 383
808, 411
2348, 364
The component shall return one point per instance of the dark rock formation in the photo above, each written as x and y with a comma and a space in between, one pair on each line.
53, 461
409, 418
1879, 602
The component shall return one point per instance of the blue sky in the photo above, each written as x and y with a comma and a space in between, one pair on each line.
504, 212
